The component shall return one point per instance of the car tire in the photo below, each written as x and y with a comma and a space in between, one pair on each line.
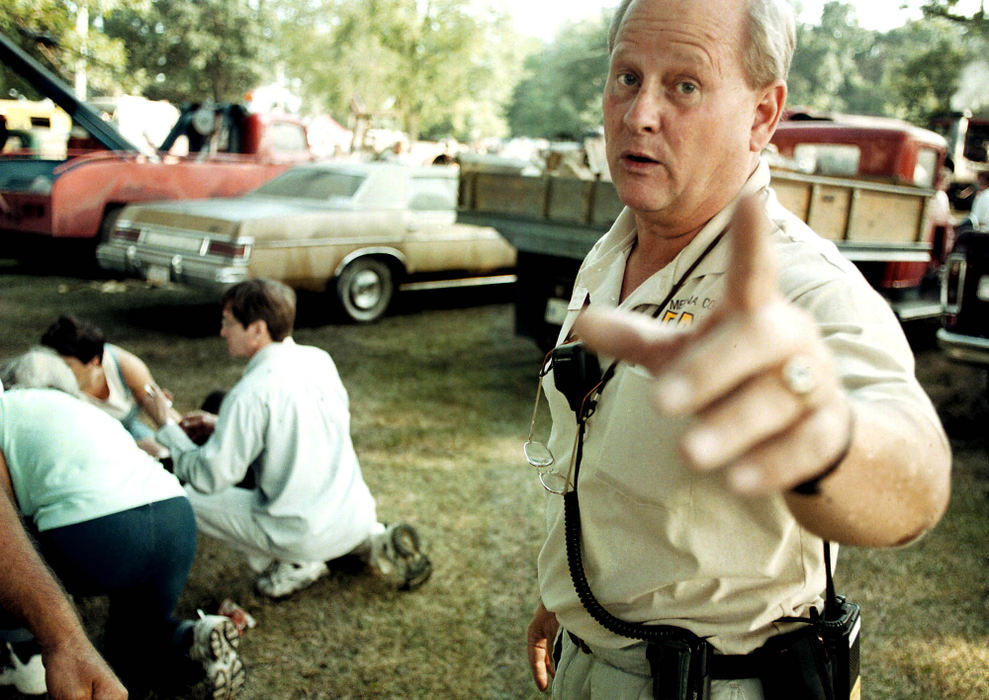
365, 289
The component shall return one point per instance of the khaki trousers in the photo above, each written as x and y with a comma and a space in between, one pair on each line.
624, 674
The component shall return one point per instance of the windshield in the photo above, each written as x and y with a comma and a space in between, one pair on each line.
311, 183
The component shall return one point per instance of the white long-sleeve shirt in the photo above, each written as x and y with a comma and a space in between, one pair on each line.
288, 420
980, 210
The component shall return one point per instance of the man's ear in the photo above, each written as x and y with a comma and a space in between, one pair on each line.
768, 112
258, 330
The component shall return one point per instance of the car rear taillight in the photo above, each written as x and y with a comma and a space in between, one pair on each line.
127, 234
953, 284
228, 250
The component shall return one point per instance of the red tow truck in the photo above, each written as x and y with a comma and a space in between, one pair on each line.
214, 150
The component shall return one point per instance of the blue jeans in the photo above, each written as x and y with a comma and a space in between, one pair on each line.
140, 559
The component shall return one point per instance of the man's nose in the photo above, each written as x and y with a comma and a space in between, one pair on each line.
645, 112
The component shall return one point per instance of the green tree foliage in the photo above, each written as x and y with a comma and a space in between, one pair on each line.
190, 51
438, 68
911, 72
559, 95
973, 96
928, 73
46, 29
977, 24
838, 65
430, 67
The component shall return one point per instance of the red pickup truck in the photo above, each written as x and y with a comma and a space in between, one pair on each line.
866, 183
214, 150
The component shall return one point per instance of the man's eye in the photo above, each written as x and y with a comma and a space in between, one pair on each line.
686, 88
626, 79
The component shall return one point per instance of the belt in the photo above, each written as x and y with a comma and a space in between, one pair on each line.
722, 667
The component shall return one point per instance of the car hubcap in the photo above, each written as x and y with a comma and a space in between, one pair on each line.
365, 289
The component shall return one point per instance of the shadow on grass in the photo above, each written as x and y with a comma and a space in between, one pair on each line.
191, 314
181, 319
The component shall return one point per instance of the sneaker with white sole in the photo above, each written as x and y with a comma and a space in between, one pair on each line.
286, 577
398, 552
214, 645
28, 678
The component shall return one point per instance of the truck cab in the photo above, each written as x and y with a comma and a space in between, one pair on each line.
889, 152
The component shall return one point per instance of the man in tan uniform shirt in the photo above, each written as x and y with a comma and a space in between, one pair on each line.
749, 384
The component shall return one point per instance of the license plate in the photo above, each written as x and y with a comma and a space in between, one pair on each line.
158, 275
556, 311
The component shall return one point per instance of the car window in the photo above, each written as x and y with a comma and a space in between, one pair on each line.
285, 137
925, 170
309, 183
429, 193
827, 158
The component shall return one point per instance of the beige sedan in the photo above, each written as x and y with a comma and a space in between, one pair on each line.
357, 230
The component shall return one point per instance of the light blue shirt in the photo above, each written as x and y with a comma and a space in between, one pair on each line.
70, 462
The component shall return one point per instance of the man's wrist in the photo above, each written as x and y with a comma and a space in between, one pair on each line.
812, 487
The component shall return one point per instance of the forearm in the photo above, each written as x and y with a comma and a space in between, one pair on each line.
208, 468
892, 487
28, 590
186, 455
159, 416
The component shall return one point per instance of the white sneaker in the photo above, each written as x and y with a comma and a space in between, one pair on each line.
398, 552
28, 678
214, 645
287, 577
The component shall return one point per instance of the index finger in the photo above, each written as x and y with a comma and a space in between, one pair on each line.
625, 335
751, 279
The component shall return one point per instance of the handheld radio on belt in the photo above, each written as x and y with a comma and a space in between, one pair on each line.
839, 628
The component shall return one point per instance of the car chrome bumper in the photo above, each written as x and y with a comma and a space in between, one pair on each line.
964, 348
162, 267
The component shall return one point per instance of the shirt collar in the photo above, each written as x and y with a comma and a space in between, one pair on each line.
598, 273
268, 351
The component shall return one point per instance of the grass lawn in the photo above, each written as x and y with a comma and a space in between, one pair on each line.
441, 394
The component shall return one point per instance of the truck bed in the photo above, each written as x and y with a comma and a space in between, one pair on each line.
559, 216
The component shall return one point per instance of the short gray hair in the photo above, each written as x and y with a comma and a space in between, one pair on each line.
39, 368
771, 41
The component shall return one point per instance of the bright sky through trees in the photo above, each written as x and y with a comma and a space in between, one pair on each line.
542, 17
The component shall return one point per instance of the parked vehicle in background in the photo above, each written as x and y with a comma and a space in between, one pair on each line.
964, 332
866, 183
358, 231
968, 153
145, 123
886, 217
212, 150
35, 126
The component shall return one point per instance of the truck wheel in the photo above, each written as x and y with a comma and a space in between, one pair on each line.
365, 289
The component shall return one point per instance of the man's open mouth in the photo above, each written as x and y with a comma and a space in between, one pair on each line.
639, 158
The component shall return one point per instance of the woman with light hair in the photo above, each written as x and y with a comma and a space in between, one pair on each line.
109, 520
